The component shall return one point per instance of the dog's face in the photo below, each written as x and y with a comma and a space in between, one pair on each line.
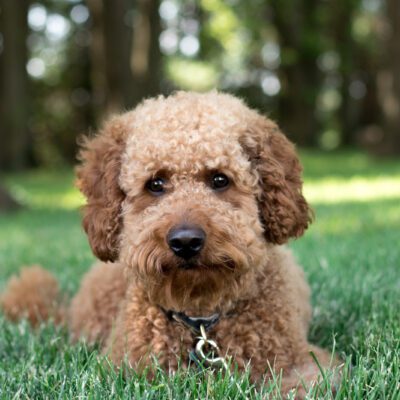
188, 192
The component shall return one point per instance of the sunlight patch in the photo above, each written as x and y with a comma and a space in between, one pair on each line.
355, 189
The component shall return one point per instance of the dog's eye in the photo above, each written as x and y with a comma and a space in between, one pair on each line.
155, 186
219, 181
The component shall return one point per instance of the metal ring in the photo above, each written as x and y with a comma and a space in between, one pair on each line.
209, 360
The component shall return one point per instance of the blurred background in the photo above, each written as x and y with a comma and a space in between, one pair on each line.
327, 70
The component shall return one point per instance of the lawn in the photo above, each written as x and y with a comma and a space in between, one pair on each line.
351, 256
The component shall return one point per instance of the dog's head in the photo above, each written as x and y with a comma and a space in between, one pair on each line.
189, 192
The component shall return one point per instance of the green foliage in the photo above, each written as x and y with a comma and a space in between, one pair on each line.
190, 75
350, 255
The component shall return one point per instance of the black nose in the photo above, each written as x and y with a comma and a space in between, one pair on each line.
186, 241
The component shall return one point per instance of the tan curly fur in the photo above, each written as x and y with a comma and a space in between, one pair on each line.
34, 295
242, 272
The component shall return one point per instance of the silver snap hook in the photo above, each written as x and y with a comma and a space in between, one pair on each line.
199, 350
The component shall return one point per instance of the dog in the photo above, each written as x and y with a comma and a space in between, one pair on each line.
190, 199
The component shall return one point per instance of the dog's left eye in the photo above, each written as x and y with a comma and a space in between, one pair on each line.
219, 181
155, 186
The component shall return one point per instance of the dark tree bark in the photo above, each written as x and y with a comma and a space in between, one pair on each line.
145, 55
112, 80
301, 76
388, 81
15, 143
125, 54
117, 43
345, 46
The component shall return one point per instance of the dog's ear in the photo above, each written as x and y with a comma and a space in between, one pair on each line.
283, 209
97, 179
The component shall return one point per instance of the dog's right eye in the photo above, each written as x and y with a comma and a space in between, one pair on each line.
219, 181
155, 186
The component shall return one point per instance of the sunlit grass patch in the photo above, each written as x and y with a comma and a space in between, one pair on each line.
331, 190
349, 177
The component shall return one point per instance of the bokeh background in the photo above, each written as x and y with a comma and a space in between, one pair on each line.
327, 70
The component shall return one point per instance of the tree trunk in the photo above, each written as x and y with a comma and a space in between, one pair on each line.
125, 54
388, 81
117, 15
97, 60
145, 55
302, 77
299, 107
15, 145
111, 41
345, 47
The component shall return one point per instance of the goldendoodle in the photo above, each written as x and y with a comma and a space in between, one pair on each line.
189, 201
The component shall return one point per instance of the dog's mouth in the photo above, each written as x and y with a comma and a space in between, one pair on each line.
198, 265
189, 265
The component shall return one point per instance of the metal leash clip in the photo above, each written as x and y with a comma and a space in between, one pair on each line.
208, 359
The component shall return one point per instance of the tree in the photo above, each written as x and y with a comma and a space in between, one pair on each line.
125, 54
300, 32
388, 80
14, 134
145, 61
342, 17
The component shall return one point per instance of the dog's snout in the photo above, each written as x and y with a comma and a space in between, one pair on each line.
186, 241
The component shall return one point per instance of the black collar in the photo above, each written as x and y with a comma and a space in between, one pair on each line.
192, 323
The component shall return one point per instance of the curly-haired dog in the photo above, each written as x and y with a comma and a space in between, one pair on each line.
189, 198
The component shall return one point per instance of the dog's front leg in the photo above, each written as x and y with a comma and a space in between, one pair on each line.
143, 337
315, 366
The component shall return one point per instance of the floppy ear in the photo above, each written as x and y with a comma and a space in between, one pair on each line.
283, 209
98, 181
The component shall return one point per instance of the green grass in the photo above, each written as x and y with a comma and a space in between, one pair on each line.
351, 256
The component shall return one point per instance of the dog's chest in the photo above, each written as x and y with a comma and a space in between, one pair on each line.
242, 338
